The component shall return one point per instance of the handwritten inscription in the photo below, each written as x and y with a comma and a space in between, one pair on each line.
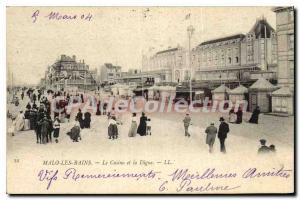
179, 180
57, 16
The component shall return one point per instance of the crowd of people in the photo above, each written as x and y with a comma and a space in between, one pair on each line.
38, 118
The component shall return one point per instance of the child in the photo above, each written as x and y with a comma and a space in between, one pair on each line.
148, 129
112, 128
12, 129
56, 127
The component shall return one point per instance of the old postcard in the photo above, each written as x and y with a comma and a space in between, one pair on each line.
150, 100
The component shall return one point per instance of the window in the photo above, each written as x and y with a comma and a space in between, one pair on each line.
229, 60
291, 41
236, 59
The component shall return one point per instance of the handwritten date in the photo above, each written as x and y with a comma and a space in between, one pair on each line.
57, 16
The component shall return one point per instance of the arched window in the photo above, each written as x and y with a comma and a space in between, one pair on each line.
236, 59
229, 60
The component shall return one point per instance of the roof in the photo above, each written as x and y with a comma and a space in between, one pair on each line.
259, 26
279, 9
221, 89
239, 90
166, 51
262, 84
284, 91
111, 66
236, 36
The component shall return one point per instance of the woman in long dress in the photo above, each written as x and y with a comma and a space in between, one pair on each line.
98, 112
142, 129
255, 115
133, 127
232, 116
239, 116
27, 120
20, 122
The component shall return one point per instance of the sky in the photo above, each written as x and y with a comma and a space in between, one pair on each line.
118, 35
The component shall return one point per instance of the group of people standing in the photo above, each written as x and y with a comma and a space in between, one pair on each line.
39, 119
36, 118
263, 149
237, 117
83, 122
211, 133
143, 129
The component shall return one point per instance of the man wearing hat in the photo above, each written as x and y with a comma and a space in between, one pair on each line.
263, 148
222, 133
211, 133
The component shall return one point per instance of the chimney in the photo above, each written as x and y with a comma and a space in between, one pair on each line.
74, 57
83, 61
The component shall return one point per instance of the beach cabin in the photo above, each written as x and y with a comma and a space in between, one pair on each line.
260, 95
220, 93
282, 101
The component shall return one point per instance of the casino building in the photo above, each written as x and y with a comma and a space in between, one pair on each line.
240, 58
232, 60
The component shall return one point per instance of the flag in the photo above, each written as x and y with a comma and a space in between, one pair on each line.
188, 16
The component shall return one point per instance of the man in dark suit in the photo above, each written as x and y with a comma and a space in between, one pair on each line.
222, 133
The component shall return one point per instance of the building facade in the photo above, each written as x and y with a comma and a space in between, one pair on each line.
67, 72
109, 73
237, 58
172, 63
146, 78
233, 59
285, 37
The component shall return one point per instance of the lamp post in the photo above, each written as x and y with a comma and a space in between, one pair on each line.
190, 31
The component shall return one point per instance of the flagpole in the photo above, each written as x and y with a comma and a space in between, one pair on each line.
190, 31
84, 81
12, 84
265, 50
